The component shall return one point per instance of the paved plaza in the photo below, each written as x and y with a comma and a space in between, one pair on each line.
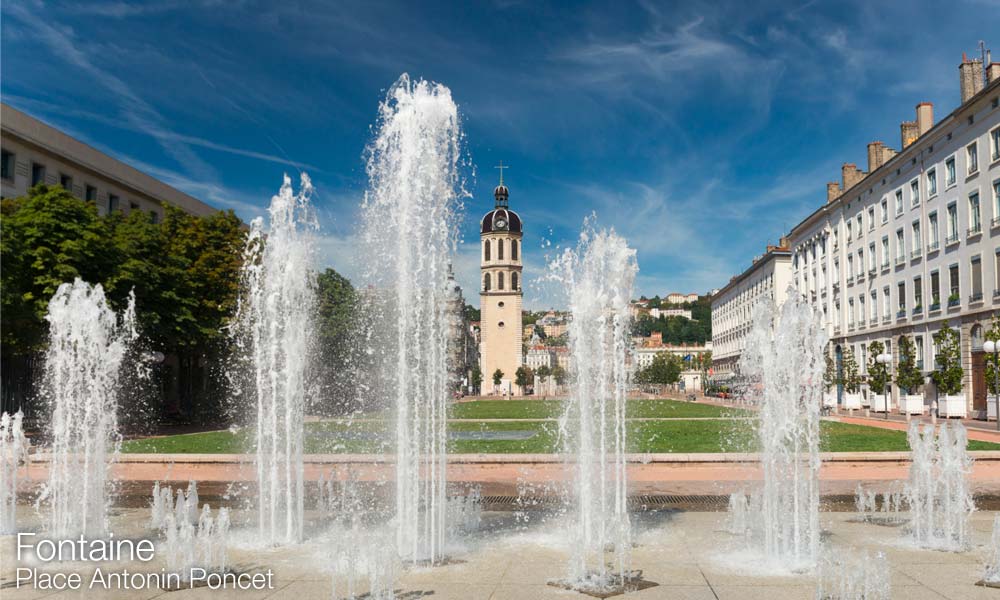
688, 554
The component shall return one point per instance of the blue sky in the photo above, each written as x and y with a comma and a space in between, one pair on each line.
699, 130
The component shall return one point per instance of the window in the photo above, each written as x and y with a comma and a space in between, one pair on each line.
850, 312
918, 292
513, 281
500, 257
486, 250
864, 358
66, 182
949, 170
996, 275
972, 155
885, 251
935, 289
886, 302
850, 266
90, 193
976, 265
918, 350
871, 256
996, 203
932, 231
871, 217
914, 192
861, 262
154, 217
500, 280
952, 224
885, 210
932, 183
954, 285
915, 242
861, 224
7, 165
900, 247
995, 144
486, 282
37, 174
899, 202
975, 224
874, 306
901, 296
513, 250
112, 203
848, 231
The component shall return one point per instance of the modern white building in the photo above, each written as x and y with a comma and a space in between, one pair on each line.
34, 153
766, 280
914, 242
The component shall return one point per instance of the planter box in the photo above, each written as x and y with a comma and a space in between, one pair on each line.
852, 402
830, 400
879, 403
952, 406
991, 407
912, 404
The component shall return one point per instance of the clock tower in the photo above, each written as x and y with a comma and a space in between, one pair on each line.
500, 294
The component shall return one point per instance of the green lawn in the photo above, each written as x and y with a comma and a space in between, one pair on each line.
644, 436
550, 409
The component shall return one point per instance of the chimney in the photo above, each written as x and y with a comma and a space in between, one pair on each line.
832, 191
970, 77
851, 175
925, 117
908, 132
876, 155
993, 72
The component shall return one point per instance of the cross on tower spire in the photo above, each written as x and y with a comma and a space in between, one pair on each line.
501, 167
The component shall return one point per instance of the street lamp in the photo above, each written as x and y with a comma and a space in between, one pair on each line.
992, 347
885, 359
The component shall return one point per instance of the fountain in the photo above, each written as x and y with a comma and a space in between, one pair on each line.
202, 544
599, 275
854, 576
991, 570
13, 451
938, 493
273, 335
409, 234
783, 366
87, 346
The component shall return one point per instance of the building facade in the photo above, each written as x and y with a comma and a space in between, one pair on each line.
500, 294
34, 153
914, 242
766, 280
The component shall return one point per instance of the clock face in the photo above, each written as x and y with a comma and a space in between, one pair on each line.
501, 223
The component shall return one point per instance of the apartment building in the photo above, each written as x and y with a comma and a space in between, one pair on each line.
914, 242
766, 280
34, 153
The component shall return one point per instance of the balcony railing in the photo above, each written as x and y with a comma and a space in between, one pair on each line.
935, 306
915, 254
872, 271
918, 309
885, 265
900, 259
976, 298
886, 318
996, 293
995, 222
933, 247
954, 301
850, 280
951, 239
974, 230
901, 313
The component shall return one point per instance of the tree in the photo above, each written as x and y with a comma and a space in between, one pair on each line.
476, 379
49, 237
830, 376
471, 313
908, 376
497, 377
878, 373
559, 374
949, 373
523, 377
664, 370
992, 363
543, 372
851, 378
